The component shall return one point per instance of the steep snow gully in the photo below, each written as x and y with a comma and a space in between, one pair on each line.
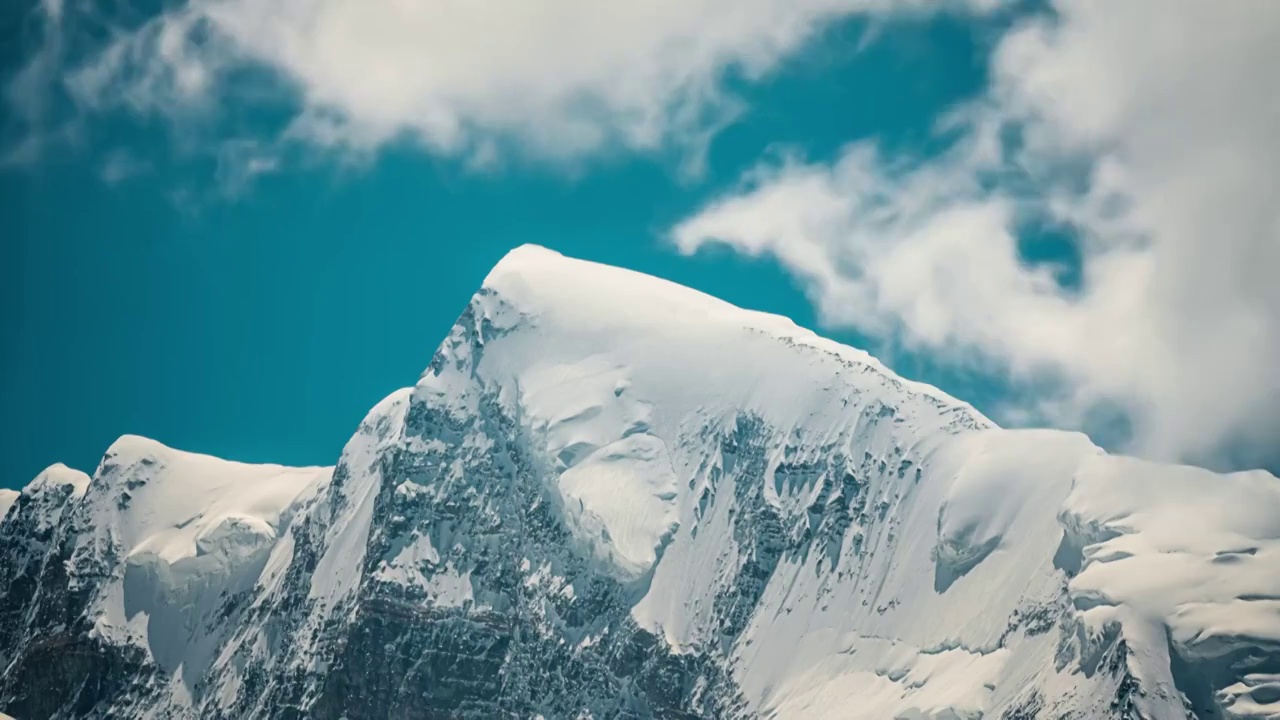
611, 496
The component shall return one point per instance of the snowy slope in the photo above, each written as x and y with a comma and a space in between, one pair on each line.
613, 496
191, 531
7, 499
156, 543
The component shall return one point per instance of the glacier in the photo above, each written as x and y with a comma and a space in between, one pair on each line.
611, 496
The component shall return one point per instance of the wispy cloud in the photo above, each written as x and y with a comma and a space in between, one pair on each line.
559, 81
1145, 129
120, 165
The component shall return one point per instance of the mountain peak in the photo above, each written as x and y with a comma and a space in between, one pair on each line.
536, 277
59, 475
571, 299
612, 496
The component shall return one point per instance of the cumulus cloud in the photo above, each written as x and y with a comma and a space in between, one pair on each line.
555, 80
1147, 130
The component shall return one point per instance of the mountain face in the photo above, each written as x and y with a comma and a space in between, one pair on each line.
613, 497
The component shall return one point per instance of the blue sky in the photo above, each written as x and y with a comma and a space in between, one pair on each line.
193, 272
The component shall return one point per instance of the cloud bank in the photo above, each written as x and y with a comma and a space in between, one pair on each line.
556, 80
1144, 129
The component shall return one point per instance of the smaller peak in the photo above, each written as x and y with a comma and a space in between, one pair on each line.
389, 403
58, 475
7, 499
130, 450
374, 421
132, 445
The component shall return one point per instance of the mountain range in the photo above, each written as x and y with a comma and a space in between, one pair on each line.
609, 496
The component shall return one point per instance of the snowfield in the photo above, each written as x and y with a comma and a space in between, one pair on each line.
613, 496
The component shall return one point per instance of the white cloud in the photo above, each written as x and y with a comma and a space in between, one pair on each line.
121, 165
554, 80
1147, 126
28, 95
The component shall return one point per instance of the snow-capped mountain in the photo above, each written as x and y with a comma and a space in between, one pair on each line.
610, 496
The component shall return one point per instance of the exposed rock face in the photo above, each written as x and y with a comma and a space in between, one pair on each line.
612, 497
